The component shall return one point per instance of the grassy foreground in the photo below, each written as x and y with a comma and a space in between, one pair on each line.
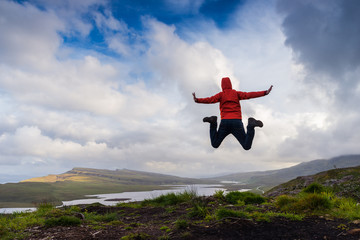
186, 209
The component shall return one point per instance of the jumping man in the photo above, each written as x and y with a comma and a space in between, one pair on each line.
230, 111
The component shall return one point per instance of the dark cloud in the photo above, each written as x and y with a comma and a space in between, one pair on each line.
337, 139
324, 34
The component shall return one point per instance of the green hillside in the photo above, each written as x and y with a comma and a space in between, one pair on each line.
344, 182
78, 182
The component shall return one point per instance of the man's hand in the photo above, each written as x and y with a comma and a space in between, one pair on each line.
269, 90
195, 99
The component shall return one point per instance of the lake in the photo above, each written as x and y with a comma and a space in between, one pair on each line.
201, 190
106, 199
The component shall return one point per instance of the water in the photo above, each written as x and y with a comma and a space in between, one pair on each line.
12, 210
200, 189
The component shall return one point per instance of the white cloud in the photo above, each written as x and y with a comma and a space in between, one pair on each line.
75, 85
31, 147
192, 67
117, 33
75, 15
29, 36
78, 103
137, 112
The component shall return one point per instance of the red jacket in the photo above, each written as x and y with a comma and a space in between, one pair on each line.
230, 99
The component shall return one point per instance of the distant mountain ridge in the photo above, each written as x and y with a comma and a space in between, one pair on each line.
124, 176
274, 177
269, 178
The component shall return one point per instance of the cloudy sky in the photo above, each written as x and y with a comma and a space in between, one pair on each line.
107, 84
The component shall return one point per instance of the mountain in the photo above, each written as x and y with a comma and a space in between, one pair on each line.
272, 178
123, 176
344, 182
79, 182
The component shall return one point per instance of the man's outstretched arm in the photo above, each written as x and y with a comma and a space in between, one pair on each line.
195, 99
248, 95
213, 99
269, 90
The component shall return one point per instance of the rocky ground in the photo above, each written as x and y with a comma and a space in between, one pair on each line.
174, 223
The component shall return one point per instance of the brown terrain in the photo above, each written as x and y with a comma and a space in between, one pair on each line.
163, 223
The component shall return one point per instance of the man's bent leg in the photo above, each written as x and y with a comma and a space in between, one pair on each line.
249, 138
217, 137
239, 133
250, 134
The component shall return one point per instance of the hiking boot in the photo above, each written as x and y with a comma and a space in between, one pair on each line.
252, 122
212, 119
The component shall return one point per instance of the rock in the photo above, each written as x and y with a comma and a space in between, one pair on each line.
356, 222
354, 231
79, 215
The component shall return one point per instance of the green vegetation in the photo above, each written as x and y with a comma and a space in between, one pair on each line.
304, 202
199, 209
314, 188
136, 236
108, 217
220, 195
342, 182
190, 209
66, 221
319, 203
228, 213
224, 213
13, 226
171, 198
165, 229
181, 224
244, 197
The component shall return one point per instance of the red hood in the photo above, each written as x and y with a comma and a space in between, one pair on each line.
226, 83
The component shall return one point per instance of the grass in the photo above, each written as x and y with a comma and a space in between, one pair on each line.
200, 210
228, 213
224, 213
219, 195
109, 217
244, 197
343, 182
136, 236
171, 198
314, 188
316, 202
181, 224
66, 221
313, 202
12, 226
346, 208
